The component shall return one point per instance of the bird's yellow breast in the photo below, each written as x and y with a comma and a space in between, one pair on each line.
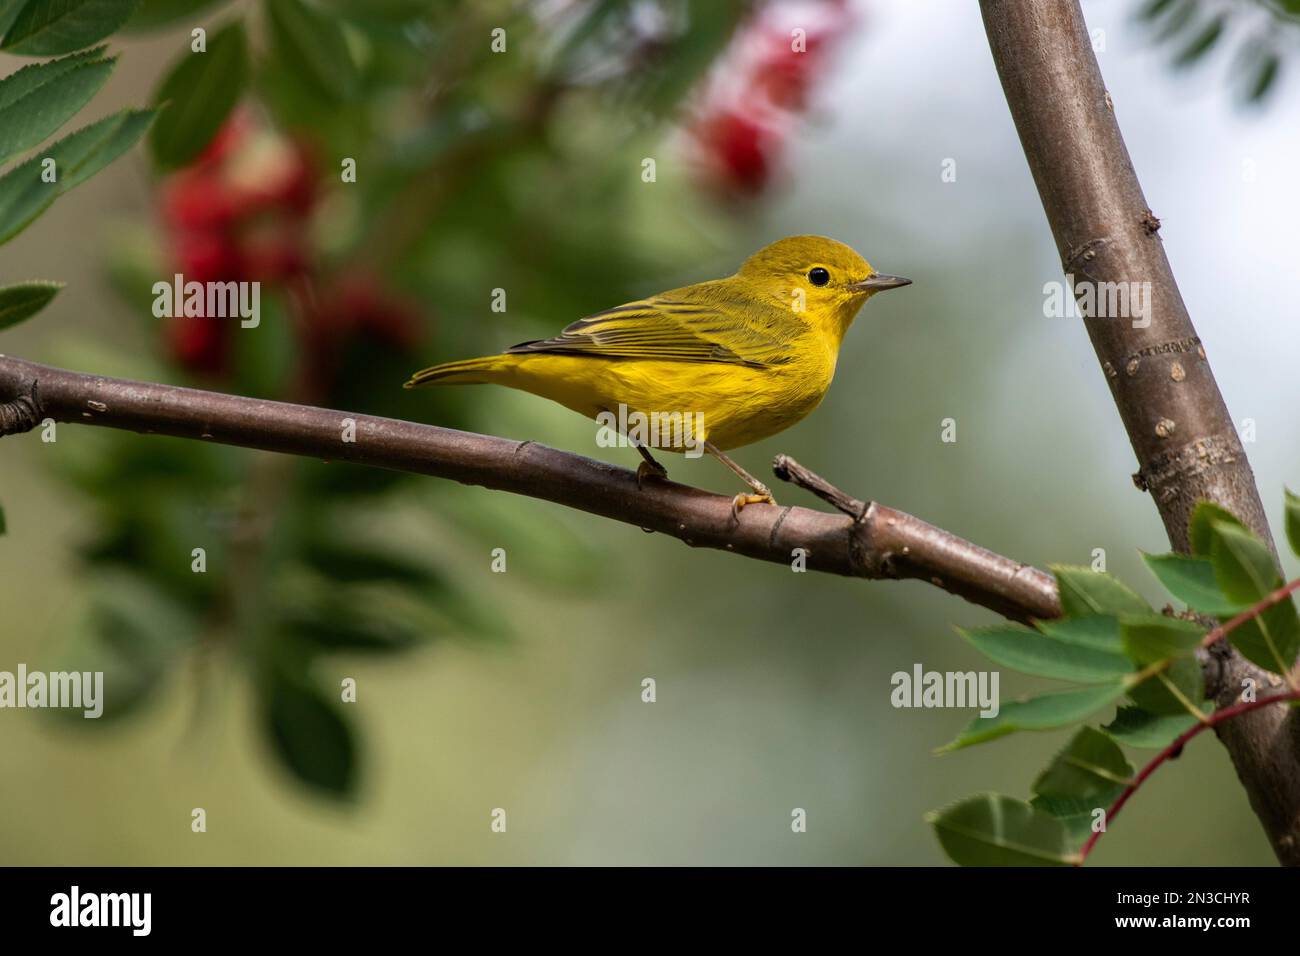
735, 404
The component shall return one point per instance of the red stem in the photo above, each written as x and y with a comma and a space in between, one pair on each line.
1174, 748
1224, 629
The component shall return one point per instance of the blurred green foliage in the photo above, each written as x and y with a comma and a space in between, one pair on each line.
1263, 34
472, 172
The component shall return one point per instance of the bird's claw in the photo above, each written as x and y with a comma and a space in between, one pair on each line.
647, 470
741, 500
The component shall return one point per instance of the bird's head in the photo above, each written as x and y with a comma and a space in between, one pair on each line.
823, 281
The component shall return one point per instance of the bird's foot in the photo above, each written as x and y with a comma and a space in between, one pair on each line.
738, 502
650, 469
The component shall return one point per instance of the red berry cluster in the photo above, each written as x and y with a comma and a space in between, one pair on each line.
763, 83
242, 212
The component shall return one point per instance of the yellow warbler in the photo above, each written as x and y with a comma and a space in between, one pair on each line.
718, 365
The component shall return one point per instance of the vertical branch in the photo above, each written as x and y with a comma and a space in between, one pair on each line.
1178, 424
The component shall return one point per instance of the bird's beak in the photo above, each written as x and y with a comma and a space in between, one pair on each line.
878, 281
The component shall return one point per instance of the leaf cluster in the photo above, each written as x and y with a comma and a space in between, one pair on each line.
1114, 649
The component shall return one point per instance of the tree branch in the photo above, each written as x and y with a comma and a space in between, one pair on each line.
871, 541
1185, 441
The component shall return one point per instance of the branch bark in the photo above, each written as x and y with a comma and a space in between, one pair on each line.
869, 541
1185, 441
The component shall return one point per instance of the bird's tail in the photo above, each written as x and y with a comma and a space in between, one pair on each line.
476, 371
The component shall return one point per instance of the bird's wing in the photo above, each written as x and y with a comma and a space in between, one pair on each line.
669, 328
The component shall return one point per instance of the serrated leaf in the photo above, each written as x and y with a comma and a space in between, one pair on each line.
1153, 637
314, 45
23, 194
38, 99
310, 735
1293, 521
1191, 580
1038, 713
1047, 654
989, 829
1244, 569
22, 301
1200, 531
1098, 631
1091, 767
1178, 689
199, 92
1084, 591
1136, 727
35, 75
51, 27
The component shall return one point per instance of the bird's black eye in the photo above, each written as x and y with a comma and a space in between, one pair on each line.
818, 276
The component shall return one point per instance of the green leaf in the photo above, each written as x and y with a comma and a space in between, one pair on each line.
1201, 43
51, 27
160, 14
1091, 767
1200, 531
310, 735
1153, 637
23, 194
1075, 813
3, 528
9, 10
1178, 689
1084, 592
1182, 16
1038, 713
1243, 565
1265, 76
1136, 727
1191, 580
133, 633
989, 829
199, 93
313, 45
1293, 521
1100, 632
22, 301
38, 99
1047, 655
375, 616
1153, 8
1244, 568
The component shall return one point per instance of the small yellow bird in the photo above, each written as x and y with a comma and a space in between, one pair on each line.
721, 364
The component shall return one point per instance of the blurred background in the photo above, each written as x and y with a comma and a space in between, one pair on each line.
523, 171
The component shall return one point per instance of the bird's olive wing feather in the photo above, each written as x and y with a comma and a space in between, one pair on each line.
668, 328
